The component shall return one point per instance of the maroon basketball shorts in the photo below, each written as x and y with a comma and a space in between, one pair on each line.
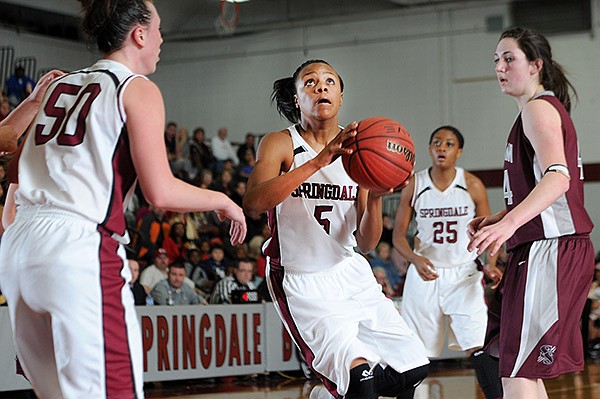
537, 307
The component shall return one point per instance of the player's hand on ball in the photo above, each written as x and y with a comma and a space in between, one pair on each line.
404, 183
335, 148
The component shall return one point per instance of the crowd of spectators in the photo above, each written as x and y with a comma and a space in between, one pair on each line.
196, 244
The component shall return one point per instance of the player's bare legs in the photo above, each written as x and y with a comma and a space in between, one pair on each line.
515, 388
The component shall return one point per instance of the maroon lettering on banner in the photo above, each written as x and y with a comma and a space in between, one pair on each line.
256, 334
220, 340
188, 338
162, 327
205, 343
147, 337
288, 345
245, 338
234, 342
175, 341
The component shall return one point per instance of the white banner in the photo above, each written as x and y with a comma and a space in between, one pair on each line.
187, 342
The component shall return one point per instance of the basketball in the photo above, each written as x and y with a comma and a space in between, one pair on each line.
383, 154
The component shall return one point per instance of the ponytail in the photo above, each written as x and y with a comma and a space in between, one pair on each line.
283, 94
556, 80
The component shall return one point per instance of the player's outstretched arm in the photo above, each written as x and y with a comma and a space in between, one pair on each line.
145, 123
16, 123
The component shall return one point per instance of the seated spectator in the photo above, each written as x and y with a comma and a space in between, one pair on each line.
237, 195
222, 149
240, 279
246, 166
18, 86
229, 166
176, 244
138, 290
203, 277
171, 141
383, 259
224, 183
174, 291
176, 144
247, 145
189, 224
200, 154
152, 231
205, 179
216, 263
156, 272
204, 250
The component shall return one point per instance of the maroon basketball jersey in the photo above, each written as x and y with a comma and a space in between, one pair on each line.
566, 215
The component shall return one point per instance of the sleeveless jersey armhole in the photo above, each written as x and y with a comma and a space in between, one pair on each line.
121, 91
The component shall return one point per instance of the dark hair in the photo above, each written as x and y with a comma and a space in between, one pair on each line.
109, 21
284, 90
172, 232
176, 265
243, 260
457, 133
552, 75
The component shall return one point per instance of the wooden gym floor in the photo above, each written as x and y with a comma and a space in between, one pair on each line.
448, 379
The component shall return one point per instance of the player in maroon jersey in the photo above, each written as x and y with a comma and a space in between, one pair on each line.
534, 317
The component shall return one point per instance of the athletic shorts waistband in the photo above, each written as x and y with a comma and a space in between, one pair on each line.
296, 271
42, 211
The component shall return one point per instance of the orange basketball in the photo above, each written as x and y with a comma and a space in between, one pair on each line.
383, 154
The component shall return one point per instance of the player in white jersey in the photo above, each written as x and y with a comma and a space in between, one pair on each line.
63, 267
325, 293
444, 283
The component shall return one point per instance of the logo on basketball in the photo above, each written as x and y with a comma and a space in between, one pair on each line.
546, 354
409, 156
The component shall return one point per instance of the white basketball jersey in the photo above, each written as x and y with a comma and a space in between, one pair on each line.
76, 156
312, 229
442, 218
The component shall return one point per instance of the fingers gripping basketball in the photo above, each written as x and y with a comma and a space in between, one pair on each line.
383, 154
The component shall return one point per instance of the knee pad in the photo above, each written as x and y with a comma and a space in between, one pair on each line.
391, 383
362, 383
486, 369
